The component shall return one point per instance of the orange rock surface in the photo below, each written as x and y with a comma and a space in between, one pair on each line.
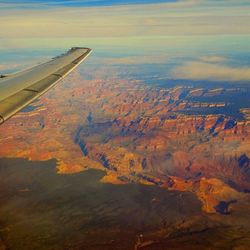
136, 133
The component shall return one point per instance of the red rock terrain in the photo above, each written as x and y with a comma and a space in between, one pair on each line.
138, 133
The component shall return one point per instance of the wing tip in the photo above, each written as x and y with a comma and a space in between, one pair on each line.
76, 48
72, 49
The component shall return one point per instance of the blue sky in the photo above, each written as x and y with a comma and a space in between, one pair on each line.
83, 3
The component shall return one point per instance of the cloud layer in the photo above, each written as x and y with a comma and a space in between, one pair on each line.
136, 33
211, 71
190, 17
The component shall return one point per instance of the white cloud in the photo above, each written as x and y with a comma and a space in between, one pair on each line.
134, 60
213, 59
211, 71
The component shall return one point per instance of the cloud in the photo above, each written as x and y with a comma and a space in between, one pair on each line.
135, 60
183, 26
211, 71
213, 59
7, 67
191, 17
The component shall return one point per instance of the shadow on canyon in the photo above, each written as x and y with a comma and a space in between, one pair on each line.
40, 209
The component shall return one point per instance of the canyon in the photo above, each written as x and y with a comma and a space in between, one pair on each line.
180, 138
138, 133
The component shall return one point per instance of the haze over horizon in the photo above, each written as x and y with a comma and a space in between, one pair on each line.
170, 30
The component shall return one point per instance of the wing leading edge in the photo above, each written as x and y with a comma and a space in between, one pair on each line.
20, 89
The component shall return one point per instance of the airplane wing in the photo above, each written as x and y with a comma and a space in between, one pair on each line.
20, 89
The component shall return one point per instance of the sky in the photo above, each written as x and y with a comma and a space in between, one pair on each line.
125, 28
81, 3
95, 22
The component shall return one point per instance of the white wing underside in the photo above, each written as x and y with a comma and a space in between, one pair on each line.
20, 89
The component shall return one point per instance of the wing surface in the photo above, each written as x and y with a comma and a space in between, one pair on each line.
20, 89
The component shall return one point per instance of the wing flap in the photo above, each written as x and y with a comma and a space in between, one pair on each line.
44, 84
63, 70
14, 103
26, 86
